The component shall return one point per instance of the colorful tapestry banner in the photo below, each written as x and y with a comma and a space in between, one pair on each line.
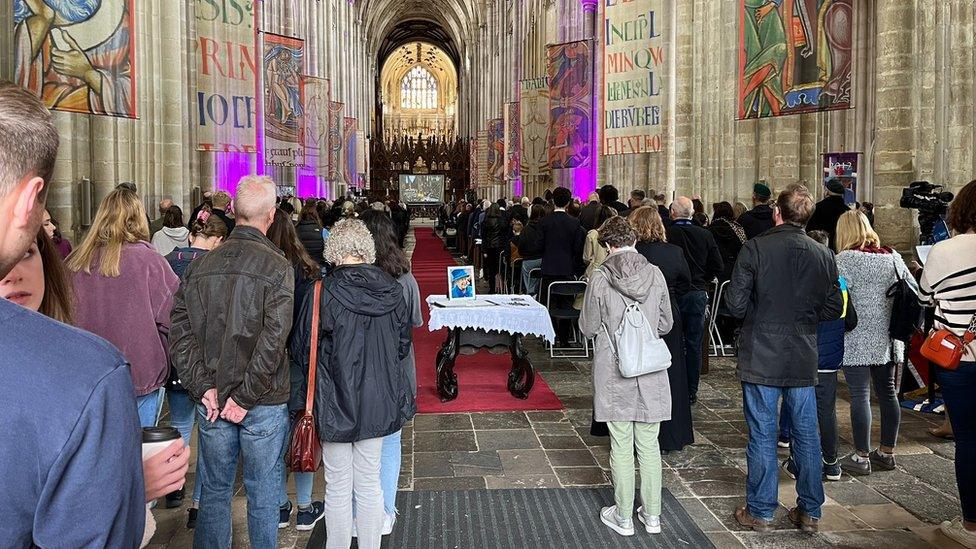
635, 68
534, 112
317, 94
794, 57
361, 151
484, 177
496, 150
473, 159
58, 44
513, 142
843, 166
335, 141
349, 174
224, 105
284, 101
570, 105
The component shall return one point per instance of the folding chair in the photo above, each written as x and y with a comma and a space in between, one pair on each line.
718, 344
536, 274
569, 290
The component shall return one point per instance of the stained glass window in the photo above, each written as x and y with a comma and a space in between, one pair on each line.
418, 89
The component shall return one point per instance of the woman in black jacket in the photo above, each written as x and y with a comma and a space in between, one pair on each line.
652, 244
495, 234
310, 233
729, 235
362, 392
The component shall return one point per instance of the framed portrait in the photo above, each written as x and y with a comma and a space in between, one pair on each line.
460, 283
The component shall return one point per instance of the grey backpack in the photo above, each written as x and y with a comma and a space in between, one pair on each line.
638, 349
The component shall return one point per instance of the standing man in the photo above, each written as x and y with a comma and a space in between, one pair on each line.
590, 212
635, 201
784, 283
230, 325
829, 210
609, 196
67, 402
662, 208
760, 218
156, 225
561, 239
705, 261
520, 210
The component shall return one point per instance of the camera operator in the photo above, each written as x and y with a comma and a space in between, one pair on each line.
932, 207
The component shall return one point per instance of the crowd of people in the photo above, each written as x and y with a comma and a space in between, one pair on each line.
217, 314
808, 296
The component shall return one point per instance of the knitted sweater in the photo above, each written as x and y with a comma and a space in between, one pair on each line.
869, 275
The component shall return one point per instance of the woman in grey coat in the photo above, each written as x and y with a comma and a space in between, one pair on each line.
870, 355
632, 407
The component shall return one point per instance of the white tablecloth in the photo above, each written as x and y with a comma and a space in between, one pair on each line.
529, 319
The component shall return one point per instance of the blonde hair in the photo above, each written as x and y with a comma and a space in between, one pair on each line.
350, 237
854, 231
121, 219
648, 225
255, 197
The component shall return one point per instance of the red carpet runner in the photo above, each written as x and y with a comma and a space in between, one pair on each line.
482, 378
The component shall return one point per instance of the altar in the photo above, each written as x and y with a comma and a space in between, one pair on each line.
495, 323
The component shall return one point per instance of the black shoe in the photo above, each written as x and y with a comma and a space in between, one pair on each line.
191, 519
789, 468
882, 463
284, 515
174, 499
855, 468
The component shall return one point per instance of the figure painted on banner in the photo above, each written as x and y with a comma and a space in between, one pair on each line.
283, 79
569, 145
462, 284
571, 78
764, 44
76, 54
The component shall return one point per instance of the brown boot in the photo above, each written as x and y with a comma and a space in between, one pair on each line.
746, 520
803, 521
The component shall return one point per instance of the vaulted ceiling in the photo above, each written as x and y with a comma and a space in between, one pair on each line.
449, 24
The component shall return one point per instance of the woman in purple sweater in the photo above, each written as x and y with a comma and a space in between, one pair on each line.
124, 292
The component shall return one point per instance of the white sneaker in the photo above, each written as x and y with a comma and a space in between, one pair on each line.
388, 522
957, 532
652, 523
620, 525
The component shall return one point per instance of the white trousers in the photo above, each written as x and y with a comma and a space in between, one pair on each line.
353, 467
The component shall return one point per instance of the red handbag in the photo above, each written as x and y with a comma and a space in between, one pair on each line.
305, 449
946, 349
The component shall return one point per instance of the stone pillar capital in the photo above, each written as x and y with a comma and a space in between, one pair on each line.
589, 6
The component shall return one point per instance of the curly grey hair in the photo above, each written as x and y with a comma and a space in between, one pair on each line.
350, 237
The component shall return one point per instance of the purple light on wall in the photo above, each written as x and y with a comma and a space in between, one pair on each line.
229, 168
517, 187
584, 180
308, 184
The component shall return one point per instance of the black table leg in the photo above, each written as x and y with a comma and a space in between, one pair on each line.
522, 376
447, 385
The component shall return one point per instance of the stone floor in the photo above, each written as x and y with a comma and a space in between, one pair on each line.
894, 510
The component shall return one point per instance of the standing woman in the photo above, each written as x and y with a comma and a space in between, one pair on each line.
362, 393
53, 230
870, 355
495, 235
652, 244
633, 407
729, 235
39, 282
173, 234
124, 293
949, 284
310, 233
391, 259
282, 233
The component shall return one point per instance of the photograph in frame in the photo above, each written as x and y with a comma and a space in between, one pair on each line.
461, 283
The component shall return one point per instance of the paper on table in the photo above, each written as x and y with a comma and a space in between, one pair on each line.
923, 253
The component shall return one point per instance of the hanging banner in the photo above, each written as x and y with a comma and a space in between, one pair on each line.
570, 105
513, 142
317, 95
635, 68
60, 45
534, 114
360, 152
349, 172
484, 177
496, 150
335, 141
794, 57
284, 101
224, 105
473, 162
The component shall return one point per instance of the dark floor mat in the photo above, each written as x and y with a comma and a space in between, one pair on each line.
524, 519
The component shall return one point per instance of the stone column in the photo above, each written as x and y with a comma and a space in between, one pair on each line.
894, 144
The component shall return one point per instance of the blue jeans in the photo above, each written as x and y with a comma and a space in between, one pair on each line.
149, 407
390, 459
260, 441
182, 413
530, 285
761, 404
692, 306
303, 488
957, 390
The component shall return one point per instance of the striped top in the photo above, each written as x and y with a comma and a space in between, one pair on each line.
949, 282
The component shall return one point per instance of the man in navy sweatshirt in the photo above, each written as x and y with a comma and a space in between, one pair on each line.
70, 459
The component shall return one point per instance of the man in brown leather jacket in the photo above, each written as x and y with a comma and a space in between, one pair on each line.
230, 325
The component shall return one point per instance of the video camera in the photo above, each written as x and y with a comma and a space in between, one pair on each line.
932, 204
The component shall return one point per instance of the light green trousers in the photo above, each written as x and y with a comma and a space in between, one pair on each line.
623, 436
